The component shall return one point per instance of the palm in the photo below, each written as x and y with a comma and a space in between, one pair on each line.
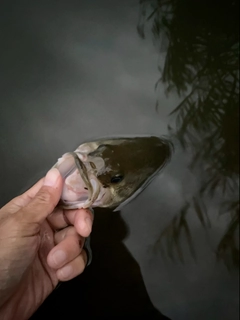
38, 281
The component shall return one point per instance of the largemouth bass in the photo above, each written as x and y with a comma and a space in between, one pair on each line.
111, 172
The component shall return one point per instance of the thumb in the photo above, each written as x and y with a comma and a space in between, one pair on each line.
44, 202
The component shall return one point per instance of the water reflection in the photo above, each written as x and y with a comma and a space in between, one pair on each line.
202, 66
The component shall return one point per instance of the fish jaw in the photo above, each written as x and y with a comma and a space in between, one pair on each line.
75, 192
79, 190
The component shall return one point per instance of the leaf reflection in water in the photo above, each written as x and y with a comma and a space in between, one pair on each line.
202, 66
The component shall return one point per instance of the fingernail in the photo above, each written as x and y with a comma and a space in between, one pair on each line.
59, 257
88, 222
51, 177
66, 272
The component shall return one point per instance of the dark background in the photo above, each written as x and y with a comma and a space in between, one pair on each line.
75, 70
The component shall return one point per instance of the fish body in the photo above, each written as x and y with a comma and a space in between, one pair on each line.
111, 172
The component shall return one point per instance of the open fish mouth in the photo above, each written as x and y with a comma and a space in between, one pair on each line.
81, 188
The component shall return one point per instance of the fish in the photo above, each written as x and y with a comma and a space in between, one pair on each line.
109, 173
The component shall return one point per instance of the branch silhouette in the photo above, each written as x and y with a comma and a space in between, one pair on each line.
201, 42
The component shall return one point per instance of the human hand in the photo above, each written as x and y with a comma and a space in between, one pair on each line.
40, 245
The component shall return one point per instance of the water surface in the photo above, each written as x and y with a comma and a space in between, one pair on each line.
76, 70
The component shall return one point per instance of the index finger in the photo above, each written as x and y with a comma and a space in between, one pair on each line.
82, 219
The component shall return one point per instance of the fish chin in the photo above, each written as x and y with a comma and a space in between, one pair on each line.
81, 188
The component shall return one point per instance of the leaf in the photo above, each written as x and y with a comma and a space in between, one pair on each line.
199, 212
189, 239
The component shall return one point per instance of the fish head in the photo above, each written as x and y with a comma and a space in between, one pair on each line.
110, 173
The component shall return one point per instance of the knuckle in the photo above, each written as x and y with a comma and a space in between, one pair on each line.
76, 243
65, 233
71, 231
44, 196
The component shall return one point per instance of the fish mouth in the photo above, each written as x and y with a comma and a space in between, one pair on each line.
90, 187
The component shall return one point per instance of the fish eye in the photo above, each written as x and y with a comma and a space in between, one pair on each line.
117, 179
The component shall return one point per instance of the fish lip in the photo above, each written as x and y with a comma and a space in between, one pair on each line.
93, 192
89, 179
82, 169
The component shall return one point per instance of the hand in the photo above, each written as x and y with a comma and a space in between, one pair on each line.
40, 245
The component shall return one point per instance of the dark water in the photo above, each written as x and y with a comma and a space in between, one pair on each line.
73, 70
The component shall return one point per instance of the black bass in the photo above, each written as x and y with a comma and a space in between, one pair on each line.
111, 172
